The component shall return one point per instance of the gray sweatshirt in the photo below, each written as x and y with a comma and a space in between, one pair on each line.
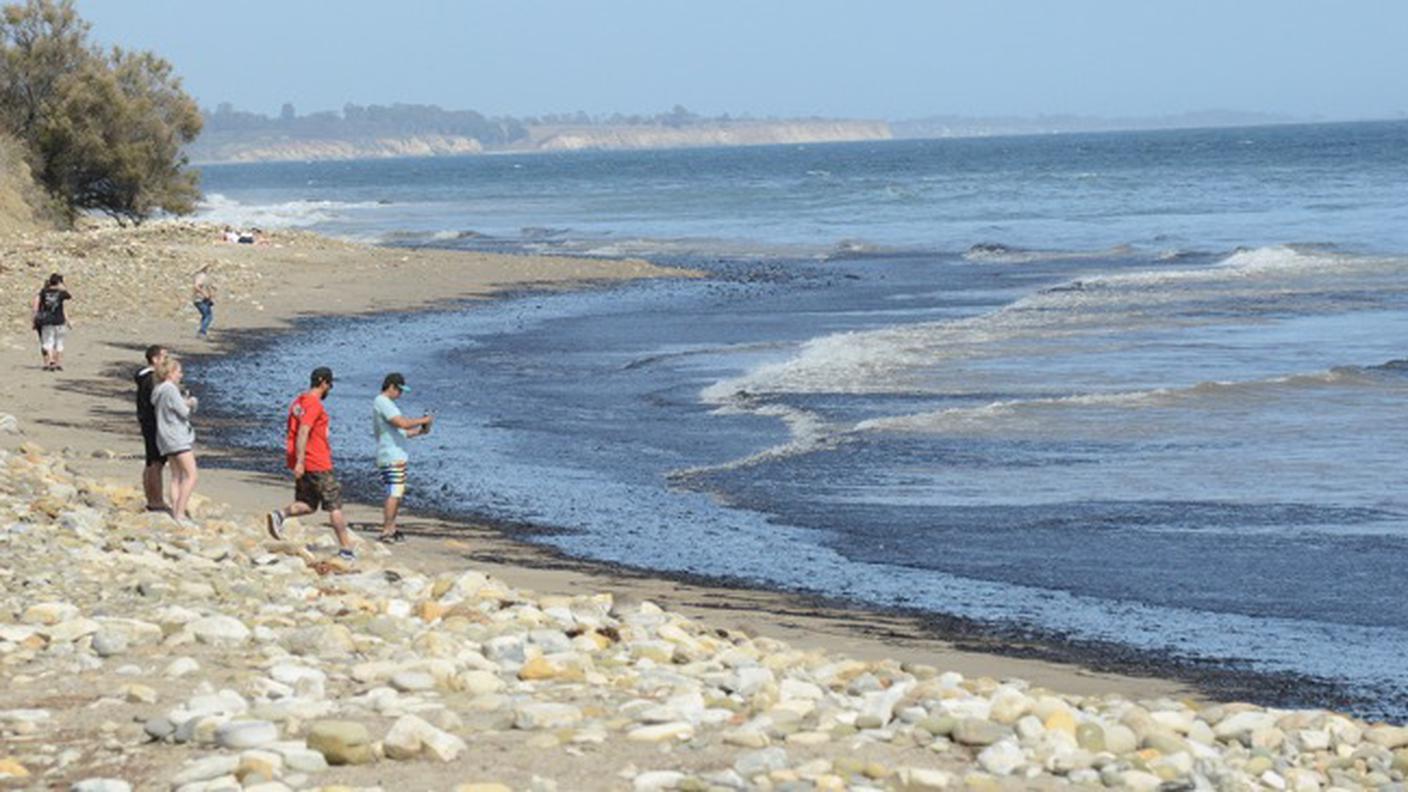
173, 420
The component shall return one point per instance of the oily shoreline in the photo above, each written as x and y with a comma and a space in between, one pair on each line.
130, 286
1208, 678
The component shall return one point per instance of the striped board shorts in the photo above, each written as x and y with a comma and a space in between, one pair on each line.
393, 477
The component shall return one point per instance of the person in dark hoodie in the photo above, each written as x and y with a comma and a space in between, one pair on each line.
146, 418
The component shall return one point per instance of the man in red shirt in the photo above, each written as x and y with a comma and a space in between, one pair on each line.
310, 459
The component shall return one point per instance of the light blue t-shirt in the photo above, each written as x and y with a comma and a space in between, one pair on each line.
390, 441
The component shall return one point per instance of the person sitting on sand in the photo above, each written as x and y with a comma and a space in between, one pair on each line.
309, 456
175, 438
391, 428
229, 235
146, 418
52, 322
203, 296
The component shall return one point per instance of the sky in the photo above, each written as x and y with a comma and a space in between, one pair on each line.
891, 59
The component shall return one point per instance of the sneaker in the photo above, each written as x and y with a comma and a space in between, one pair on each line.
395, 537
274, 521
346, 554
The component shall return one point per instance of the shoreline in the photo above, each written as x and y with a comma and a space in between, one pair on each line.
267, 290
1088, 667
143, 653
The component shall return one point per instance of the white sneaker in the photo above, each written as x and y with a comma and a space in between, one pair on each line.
274, 521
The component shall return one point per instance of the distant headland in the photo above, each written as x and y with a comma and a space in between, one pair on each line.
404, 130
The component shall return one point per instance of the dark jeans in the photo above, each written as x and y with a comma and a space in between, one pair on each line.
207, 314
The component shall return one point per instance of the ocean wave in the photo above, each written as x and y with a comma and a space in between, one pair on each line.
216, 208
808, 432
907, 357
1210, 395
998, 253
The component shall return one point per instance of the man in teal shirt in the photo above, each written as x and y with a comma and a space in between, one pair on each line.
391, 430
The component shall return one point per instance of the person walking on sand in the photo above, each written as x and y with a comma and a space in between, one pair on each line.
391, 429
175, 438
146, 418
203, 296
52, 322
310, 458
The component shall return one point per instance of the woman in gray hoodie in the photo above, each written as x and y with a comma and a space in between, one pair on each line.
175, 438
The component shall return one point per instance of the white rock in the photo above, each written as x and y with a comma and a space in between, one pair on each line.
70, 630
660, 732
410, 736
1007, 705
478, 682
923, 779
220, 630
878, 708
101, 785
49, 613
205, 769
180, 667
238, 735
301, 759
545, 715
797, 689
107, 643
765, 760
412, 681
657, 780
1002, 757
750, 680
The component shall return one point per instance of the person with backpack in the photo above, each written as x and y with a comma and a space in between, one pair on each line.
51, 321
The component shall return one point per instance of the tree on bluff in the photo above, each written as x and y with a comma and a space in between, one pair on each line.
103, 129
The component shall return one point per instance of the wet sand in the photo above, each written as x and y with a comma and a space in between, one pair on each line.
131, 288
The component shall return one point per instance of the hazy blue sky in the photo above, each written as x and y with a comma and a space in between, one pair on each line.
871, 58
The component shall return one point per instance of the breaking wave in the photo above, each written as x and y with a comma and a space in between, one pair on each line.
216, 208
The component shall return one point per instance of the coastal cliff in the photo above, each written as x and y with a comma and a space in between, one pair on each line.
295, 149
759, 133
234, 147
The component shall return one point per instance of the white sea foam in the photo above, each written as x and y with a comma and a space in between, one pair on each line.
1206, 396
993, 253
895, 359
216, 208
809, 433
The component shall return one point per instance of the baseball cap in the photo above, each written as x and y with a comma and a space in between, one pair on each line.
395, 378
320, 375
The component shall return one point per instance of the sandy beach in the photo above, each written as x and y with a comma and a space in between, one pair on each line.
131, 288
915, 712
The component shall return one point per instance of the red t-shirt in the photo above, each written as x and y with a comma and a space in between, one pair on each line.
307, 410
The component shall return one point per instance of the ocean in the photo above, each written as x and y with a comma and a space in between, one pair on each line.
1135, 390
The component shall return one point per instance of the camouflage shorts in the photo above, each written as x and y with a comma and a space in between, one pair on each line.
319, 490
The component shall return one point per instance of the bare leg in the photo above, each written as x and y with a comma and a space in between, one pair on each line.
339, 527
151, 485
296, 509
388, 516
183, 470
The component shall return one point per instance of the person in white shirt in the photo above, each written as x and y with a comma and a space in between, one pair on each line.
391, 429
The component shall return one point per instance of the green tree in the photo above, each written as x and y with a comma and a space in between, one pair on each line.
104, 129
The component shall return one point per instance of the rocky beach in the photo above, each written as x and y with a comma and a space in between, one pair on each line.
140, 654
